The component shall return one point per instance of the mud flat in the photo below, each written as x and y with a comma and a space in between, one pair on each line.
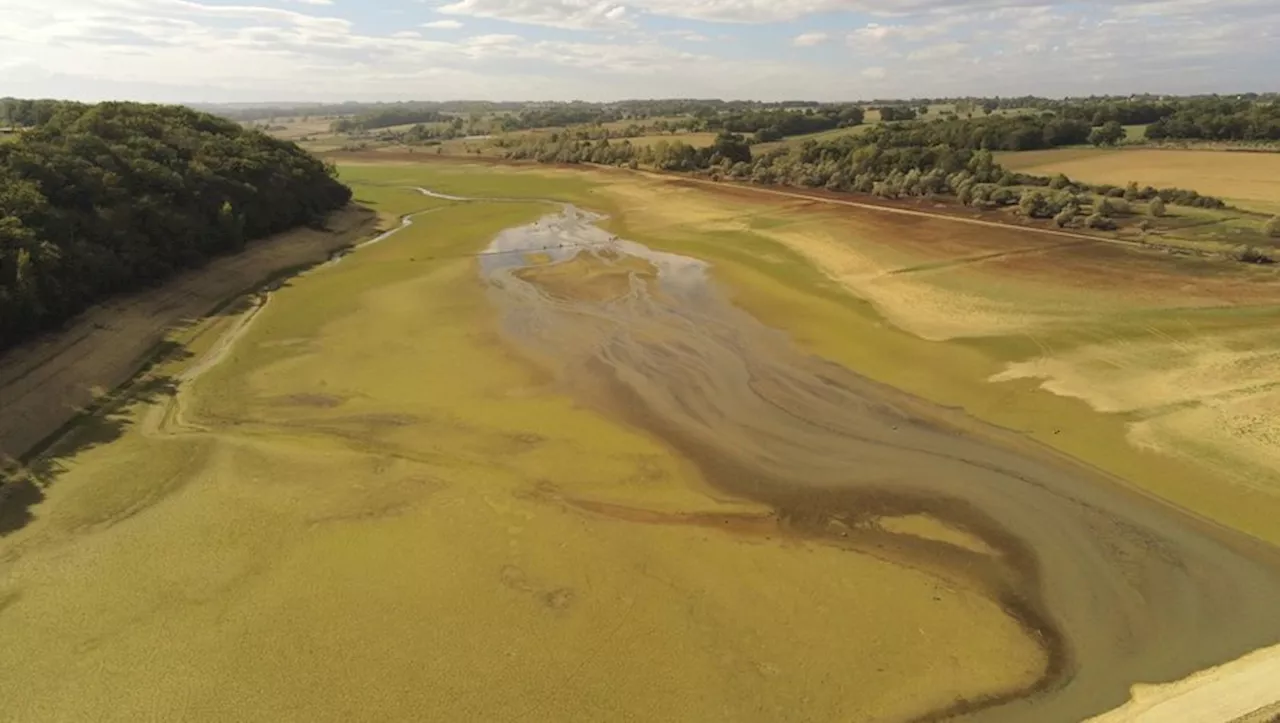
506, 466
1117, 588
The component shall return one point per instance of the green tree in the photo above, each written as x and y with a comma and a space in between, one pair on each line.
1156, 207
1107, 134
1031, 204
98, 200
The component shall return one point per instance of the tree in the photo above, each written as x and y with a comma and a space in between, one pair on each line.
1064, 217
1031, 204
1100, 222
1107, 134
732, 147
1156, 207
103, 199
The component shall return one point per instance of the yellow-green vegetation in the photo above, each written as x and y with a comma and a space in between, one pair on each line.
1192, 340
353, 502
1245, 179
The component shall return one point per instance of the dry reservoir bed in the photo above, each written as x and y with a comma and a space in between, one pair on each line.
568, 480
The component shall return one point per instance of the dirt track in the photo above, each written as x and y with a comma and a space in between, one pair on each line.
44, 383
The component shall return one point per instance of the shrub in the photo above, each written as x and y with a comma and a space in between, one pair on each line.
1156, 207
1251, 255
1100, 222
1272, 228
1004, 196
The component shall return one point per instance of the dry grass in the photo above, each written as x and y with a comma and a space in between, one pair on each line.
1249, 180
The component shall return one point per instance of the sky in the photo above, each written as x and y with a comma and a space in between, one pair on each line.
828, 50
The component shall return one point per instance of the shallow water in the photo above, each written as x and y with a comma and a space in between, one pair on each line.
1117, 587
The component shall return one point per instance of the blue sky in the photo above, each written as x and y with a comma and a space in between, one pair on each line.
260, 50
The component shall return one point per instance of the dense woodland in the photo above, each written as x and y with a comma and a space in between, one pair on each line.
96, 200
1219, 120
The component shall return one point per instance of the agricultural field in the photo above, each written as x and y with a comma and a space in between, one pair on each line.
792, 452
1247, 180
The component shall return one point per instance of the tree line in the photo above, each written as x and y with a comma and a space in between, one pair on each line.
1219, 120
25, 113
996, 132
388, 117
102, 199
952, 159
774, 124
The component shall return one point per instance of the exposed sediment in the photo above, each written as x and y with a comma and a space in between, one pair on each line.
1117, 588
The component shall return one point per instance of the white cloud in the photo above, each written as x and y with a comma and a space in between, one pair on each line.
689, 36
808, 40
575, 14
941, 51
196, 49
493, 39
312, 2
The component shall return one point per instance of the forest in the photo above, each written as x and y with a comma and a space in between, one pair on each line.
1219, 120
97, 200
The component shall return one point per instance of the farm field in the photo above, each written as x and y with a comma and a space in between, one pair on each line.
515, 442
1247, 180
